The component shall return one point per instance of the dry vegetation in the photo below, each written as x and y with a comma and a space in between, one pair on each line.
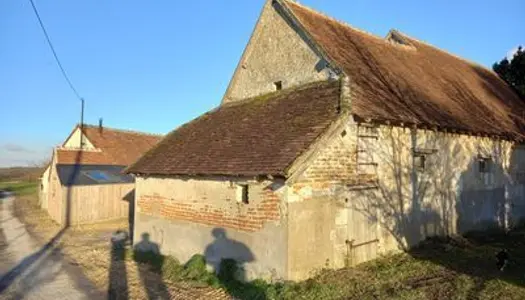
89, 247
452, 268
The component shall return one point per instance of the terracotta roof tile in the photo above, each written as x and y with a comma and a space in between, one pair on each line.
116, 147
72, 157
415, 83
263, 135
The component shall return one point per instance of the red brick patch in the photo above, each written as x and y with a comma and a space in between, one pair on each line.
252, 220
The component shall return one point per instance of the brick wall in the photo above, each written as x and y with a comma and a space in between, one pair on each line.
185, 216
313, 207
335, 163
210, 203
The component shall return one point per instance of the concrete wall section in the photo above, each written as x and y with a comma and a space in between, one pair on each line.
276, 52
185, 216
312, 237
317, 221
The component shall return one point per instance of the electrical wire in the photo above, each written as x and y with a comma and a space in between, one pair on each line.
54, 52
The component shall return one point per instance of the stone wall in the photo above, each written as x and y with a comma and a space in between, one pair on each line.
186, 216
315, 238
466, 183
363, 194
275, 52
336, 211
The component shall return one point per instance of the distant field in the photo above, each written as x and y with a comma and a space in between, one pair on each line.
20, 174
20, 188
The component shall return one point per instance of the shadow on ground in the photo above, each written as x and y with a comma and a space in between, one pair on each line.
475, 255
45, 264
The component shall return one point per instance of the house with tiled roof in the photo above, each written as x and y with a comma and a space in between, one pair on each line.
332, 146
84, 181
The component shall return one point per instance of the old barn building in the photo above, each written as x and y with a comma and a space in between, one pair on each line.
84, 182
332, 146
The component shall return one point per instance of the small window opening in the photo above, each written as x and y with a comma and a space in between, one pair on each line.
420, 161
278, 85
242, 193
420, 157
484, 165
369, 129
343, 133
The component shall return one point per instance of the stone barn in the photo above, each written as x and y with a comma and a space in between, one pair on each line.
85, 183
332, 146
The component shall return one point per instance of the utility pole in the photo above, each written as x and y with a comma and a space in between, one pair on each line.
81, 123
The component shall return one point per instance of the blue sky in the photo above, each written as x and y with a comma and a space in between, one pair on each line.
153, 65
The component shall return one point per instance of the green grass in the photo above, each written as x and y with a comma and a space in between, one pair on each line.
21, 188
440, 268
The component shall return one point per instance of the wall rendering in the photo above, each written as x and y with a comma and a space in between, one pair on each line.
187, 216
367, 192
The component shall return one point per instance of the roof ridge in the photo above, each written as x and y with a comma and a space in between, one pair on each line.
123, 130
165, 137
468, 61
273, 94
241, 140
97, 150
379, 38
344, 23
240, 102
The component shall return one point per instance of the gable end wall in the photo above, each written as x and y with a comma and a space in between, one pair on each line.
73, 141
275, 52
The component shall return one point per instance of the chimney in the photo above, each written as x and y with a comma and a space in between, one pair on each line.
100, 125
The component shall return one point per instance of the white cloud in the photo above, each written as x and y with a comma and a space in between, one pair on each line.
16, 148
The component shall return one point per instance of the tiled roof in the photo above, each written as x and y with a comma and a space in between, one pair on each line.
73, 157
114, 147
411, 82
259, 136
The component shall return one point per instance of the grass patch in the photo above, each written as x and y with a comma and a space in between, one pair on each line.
194, 272
22, 188
170, 268
440, 268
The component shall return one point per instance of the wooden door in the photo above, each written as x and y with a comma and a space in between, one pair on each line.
362, 243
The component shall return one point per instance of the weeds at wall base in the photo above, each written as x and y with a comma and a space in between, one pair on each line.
194, 272
459, 267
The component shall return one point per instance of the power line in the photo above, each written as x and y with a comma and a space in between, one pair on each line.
54, 52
